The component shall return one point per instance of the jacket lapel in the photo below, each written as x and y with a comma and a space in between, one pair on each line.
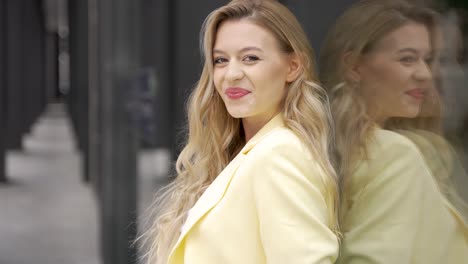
211, 196
209, 199
215, 192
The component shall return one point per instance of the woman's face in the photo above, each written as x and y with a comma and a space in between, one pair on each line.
394, 75
250, 71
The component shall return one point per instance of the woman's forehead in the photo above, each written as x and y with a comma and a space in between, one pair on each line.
414, 36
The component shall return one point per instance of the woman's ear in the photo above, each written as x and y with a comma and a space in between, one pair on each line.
351, 67
295, 68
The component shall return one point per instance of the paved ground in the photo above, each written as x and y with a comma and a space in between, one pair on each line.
47, 214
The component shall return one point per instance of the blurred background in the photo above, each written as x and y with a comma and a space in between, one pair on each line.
92, 96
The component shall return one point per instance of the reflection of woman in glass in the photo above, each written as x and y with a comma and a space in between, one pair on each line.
440, 105
375, 63
254, 182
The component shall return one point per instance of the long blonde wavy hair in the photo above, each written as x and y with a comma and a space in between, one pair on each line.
215, 138
354, 34
446, 167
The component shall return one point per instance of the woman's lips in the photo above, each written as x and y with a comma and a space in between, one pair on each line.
416, 93
236, 92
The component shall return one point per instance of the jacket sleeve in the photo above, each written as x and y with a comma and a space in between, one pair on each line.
291, 209
386, 211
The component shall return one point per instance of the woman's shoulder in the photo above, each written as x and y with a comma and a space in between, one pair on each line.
281, 157
391, 157
280, 146
387, 138
388, 144
280, 140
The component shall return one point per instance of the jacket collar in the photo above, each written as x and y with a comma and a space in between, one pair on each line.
215, 192
276, 121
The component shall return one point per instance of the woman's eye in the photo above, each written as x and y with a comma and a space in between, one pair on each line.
219, 60
251, 58
408, 60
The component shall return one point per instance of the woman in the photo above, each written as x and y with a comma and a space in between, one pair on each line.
375, 64
439, 106
254, 182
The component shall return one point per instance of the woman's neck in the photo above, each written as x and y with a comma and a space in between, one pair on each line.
378, 118
252, 125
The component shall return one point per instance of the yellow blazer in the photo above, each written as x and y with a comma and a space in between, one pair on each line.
266, 206
444, 163
395, 213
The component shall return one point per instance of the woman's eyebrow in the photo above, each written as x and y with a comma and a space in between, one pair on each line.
250, 48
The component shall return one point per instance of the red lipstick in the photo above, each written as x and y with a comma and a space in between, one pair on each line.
236, 92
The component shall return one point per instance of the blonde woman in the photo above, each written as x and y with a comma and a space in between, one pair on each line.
375, 63
426, 130
254, 182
